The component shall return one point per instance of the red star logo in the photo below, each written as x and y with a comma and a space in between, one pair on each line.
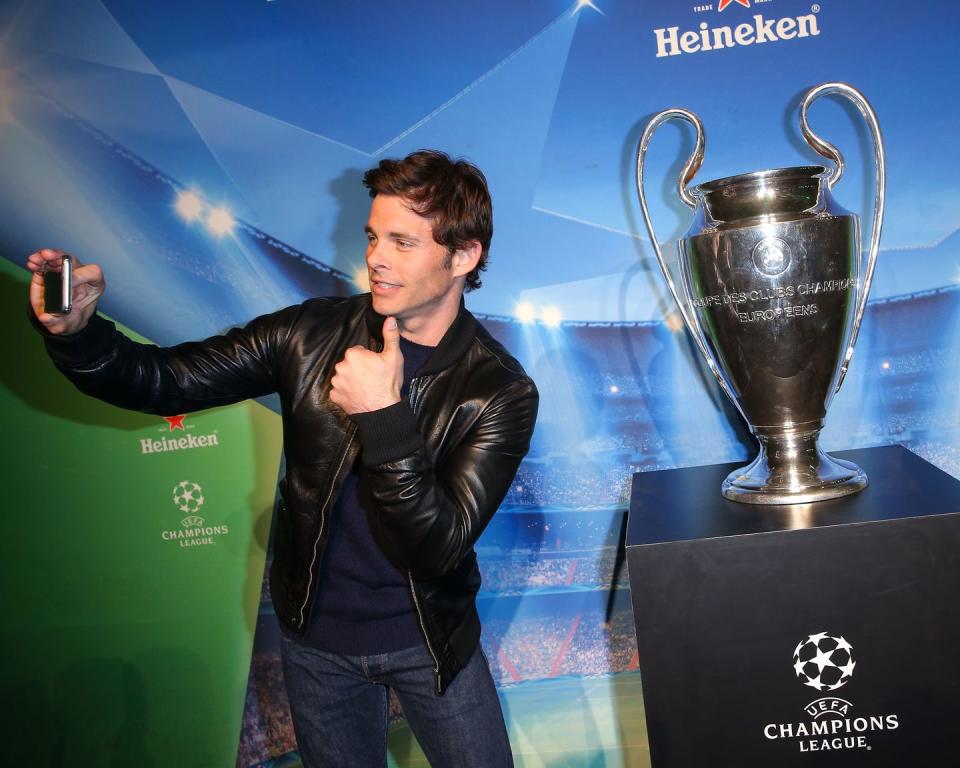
725, 3
175, 422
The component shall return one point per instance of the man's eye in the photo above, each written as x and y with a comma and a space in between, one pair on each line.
371, 239
404, 244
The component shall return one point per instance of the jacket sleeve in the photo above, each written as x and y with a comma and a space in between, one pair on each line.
432, 516
103, 363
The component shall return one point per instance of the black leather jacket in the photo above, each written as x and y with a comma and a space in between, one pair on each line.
437, 464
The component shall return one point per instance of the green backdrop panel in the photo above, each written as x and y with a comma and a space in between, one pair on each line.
132, 553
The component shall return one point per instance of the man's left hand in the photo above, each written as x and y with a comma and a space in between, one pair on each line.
368, 381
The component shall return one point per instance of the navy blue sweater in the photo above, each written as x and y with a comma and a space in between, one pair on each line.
363, 605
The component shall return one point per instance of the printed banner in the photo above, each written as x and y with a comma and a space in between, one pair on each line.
209, 158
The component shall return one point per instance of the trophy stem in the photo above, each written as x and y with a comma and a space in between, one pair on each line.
791, 469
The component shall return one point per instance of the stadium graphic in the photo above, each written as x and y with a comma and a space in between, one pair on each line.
215, 175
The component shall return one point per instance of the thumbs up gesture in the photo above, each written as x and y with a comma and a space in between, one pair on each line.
367, 381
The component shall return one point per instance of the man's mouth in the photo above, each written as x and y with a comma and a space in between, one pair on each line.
383, 285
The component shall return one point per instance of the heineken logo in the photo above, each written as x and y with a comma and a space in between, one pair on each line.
671, 41
167, 442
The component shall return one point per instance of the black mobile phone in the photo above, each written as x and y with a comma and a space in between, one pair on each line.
58, 288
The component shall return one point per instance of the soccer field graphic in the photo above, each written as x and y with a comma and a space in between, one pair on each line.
568, 721
214, 173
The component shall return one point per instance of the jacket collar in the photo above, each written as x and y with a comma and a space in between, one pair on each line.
454, 344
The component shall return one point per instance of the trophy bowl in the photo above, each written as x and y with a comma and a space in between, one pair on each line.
773, 289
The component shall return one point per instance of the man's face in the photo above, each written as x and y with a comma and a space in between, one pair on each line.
412, 277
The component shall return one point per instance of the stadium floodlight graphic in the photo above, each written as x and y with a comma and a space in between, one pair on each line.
189, 205
525, 312
220, 221
551, 316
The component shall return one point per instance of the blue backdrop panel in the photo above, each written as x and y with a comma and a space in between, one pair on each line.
209, 158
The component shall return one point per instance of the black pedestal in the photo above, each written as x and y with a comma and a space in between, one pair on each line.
824, 634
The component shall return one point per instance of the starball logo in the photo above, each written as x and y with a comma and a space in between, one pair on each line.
759, 29
826, 662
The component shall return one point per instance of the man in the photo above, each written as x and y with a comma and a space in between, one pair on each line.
404, 423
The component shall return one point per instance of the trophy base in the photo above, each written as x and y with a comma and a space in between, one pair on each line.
791, 469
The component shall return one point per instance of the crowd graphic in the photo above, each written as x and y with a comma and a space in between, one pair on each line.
537, 647
517, 576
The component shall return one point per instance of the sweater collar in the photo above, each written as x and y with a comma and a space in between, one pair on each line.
454, 344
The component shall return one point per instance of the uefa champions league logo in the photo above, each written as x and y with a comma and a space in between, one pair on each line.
824, 662
188, 498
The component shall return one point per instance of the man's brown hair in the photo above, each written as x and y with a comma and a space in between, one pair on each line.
451, 193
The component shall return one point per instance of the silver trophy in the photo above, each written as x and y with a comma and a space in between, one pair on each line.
774, 291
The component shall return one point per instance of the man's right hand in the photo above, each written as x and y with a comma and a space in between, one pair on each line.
88, 285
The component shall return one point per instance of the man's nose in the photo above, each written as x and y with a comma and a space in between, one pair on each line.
377, 256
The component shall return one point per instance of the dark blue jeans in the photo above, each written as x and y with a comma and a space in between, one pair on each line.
339, 708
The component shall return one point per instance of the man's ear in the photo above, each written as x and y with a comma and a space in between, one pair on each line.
465, 259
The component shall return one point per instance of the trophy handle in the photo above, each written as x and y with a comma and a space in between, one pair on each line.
689, 171
827, 150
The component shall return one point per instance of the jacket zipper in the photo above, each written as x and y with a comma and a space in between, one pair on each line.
426, 635
323, 522
414, 391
